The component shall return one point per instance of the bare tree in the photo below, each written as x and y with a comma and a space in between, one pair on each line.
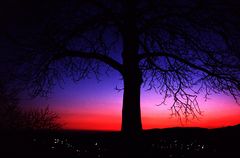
178, 49
14, 117
41, 119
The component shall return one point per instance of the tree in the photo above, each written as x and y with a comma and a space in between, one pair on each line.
178, 48
14, 117
41, 119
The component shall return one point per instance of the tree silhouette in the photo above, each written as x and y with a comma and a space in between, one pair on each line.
41, 119
14, 117
178, 49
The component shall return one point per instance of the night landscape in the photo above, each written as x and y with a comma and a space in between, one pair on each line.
124, 78
166, 143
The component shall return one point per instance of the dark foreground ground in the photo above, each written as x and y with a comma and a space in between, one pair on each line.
163, 143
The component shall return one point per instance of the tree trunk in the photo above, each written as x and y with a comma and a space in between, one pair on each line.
132, 75
131, 112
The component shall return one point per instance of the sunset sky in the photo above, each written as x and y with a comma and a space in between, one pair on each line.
93, 105
90, 104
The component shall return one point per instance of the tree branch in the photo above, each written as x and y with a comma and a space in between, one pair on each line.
90, 55
192, 65
156, 54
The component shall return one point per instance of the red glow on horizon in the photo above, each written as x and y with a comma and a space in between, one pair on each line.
96, 110
100, 123
112, 123
109, 118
